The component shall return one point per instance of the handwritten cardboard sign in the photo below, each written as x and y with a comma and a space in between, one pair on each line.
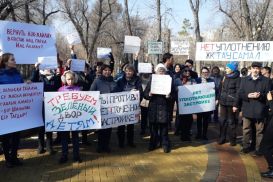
180, 47
27, 41
72, 111
161, 84
132, 44
77, 65
20, 107
119, 109
196, 98
103, 53
47, 62
73, 38
238, 51
155, 47
144, 67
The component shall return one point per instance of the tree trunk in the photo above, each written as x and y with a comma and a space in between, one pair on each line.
247, 20
158, 5
198, 38
127, 17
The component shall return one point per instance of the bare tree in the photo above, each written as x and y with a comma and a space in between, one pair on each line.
249, 24
195, 4
82, 18
127, 17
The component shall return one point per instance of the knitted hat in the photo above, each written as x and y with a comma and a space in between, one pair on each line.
160, 65
233, 65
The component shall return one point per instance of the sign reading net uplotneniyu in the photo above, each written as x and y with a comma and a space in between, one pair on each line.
120, 108
196, 98
27, 41
72, 111
239, 51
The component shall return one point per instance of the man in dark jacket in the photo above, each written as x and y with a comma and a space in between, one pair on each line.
253, 90
189, 63
168, 63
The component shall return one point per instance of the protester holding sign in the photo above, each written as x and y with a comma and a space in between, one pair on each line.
204, 117
184, 121
189, 63
158, 115
69, 80
130, 81
105, 84
229, 103
52, 82
10, 75
253, 90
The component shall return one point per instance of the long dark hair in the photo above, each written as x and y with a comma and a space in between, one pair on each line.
4, 59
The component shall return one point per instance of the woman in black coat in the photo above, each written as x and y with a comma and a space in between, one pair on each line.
105, 84
204, 117
229, 103
52, 82
266, 146
130, 81
158, 115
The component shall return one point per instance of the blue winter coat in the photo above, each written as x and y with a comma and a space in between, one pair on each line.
10, 76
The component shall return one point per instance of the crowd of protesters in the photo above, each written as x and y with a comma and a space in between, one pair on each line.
247, 92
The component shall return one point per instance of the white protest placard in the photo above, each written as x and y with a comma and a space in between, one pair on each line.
145, 68
77, 65
72, 111
120, 109
161, 84
73, 38
27, 41
155, 47
239, 51
132, 44
20, 107
196, 98
103, 53
48, 62
180, 47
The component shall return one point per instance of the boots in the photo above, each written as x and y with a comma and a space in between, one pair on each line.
49, 148
269, 173
41, 145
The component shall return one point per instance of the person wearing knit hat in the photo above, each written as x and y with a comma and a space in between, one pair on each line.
233, 66
158, 114
229, 102
160, 67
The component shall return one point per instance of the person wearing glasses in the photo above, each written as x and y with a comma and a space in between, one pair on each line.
184, 121
204, 117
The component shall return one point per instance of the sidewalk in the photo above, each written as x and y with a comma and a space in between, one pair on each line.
188, 161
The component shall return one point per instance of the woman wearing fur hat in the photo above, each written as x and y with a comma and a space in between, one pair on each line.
229, 103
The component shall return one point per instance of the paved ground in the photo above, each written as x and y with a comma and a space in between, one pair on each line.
188, 161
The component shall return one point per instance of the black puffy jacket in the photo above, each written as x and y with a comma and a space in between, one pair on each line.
229, 92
